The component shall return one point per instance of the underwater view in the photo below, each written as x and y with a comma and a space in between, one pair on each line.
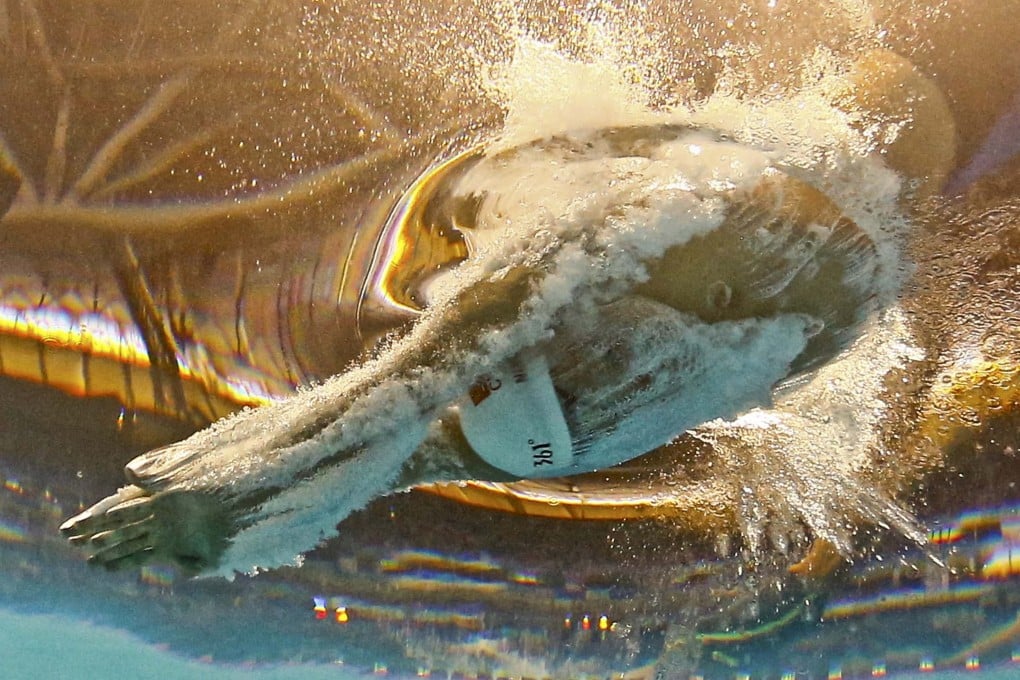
508, 340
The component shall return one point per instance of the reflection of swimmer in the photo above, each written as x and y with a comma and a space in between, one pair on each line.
606, 293
10, 181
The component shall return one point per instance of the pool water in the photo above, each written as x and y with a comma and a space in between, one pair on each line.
204, 208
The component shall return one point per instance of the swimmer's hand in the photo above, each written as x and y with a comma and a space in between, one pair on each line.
134, 527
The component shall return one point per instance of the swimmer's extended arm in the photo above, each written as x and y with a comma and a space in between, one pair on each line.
297, 467
193, 529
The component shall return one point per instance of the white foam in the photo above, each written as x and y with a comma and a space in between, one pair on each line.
569, 94
806, 459
662, 200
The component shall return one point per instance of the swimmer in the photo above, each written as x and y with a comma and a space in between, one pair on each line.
647, 297
665, 277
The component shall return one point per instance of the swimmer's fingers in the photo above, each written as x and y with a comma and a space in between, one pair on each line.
129, 512
138, 558
127, 506
129, 543
97, 537
107, 540
124, 549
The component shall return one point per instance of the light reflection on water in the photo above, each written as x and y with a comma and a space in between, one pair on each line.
243, 155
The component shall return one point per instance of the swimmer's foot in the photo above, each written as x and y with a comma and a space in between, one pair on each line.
134, 527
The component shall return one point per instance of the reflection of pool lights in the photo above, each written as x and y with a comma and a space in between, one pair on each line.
525, 579
156, 575
926, 665
1004, 521
12, 533
973, 663
342, 612
399, 258
433, 583
903, 600
319, 608
66, 335
87, 332
603, 624
1003, 562
995, 533
416, 560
